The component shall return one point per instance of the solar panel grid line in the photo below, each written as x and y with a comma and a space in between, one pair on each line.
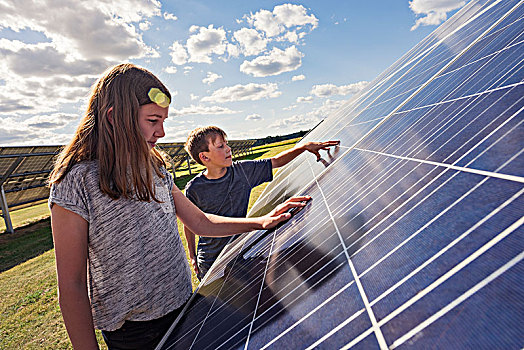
378, 198
458, 301
290, 293
185, 309
447, 247
418, 58
269, 309
504, 123
448, 101
312, 312
313, 228
442, 69
338, 328
420, 202
501, 116
414, 59
426, 225
457, 268
259, 294
454, 167
371, 315
297, 297
295, 288
471, 76
239, 291
446, 276
209, 311
436, 74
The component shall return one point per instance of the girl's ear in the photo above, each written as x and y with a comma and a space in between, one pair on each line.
110, 115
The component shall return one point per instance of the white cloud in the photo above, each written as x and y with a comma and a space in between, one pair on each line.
240, 92
232, 50
434, 12
193, 28
206, 42
308, 120
211, 78
170, 16
251, 41
203, 110
294, 15
283, 16
298, 77
52, 121
331, 89
187, 69
295, 122
144, 25
36, 130
304, 99
328, 107
193, 97
291, 37
170, 69
178, 53
289, 108
254, 116
102, 31
276, 62
71, 49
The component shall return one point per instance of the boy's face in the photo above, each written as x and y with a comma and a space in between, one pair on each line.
219, 154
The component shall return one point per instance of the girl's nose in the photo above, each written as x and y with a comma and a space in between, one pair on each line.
160, 131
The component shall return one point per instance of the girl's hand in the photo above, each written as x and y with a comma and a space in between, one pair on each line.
279, 214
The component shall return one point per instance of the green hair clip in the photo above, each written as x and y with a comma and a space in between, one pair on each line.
158, 97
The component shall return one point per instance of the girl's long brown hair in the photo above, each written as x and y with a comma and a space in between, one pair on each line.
126, 163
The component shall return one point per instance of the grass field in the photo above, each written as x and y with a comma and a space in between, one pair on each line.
30, 316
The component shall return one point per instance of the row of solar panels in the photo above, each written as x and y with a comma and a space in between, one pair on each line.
24, 170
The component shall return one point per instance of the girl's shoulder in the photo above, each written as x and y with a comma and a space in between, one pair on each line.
86, 167
85, 171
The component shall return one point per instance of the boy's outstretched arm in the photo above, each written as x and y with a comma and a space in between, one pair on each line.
190, 238
285, 157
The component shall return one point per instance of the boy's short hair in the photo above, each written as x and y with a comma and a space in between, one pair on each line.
198, 139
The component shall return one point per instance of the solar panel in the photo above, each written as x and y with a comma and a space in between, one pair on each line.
414, 235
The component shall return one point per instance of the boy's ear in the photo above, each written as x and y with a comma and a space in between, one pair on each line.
203, 157
110, 115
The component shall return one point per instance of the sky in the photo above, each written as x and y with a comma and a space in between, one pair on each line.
253, 68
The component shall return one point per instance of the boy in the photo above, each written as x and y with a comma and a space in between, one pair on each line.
224, 187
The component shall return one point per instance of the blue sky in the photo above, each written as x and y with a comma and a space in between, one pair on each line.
254, 68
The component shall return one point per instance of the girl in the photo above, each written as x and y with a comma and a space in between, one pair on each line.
120, 262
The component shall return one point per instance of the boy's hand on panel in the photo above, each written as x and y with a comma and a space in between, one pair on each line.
315, 147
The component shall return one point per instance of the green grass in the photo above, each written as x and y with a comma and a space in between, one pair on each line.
27, 215
30, 317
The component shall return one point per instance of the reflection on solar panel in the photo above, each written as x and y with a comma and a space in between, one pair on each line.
414, 236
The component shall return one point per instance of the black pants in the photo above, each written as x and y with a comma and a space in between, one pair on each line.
140, 334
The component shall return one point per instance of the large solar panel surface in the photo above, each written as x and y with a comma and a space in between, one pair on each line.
414, 235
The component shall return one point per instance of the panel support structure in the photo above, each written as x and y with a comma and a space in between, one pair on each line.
5, 212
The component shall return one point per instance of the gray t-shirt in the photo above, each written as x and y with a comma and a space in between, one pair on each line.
137, 268
227, 196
